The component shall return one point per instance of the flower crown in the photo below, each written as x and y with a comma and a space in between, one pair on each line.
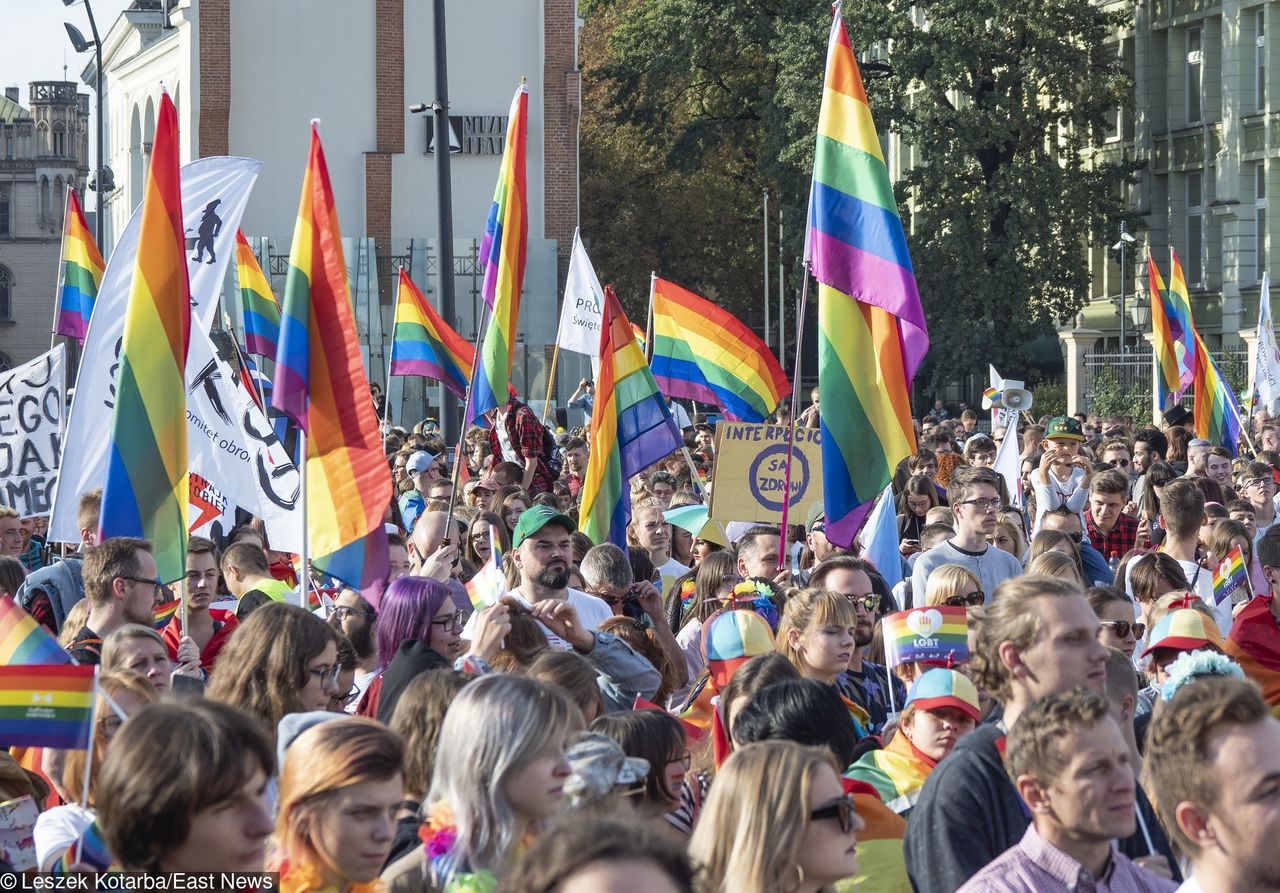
757, 594
1192, 665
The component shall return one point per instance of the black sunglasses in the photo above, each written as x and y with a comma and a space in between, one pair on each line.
841, 810
972, 599
1122, 627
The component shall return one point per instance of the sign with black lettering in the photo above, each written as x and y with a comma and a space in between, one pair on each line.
31, 410
750, 473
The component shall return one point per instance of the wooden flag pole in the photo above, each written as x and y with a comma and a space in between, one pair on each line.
304, 585
791, 427
551, 380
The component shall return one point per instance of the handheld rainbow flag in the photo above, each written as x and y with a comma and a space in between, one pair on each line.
261, 312
926, 634
23, 640
321, 384
162, 614
489, 584
1216, 409
1182, 324
146, 492
423, 344
1230, 575
871, 327
47, 706
81, 270
703, 352
631, 428
1166, 327
502, 252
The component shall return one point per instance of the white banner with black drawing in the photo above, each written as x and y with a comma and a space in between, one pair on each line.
31, 402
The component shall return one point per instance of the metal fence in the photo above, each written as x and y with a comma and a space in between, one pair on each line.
1132, 370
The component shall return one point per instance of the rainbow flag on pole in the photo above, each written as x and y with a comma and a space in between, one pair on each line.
23, 640
82, 268
146, 493
489, 584
1175, 366
321, 384
703, 352
422, 343
631, 428
47, 706
939, 633
261, 312
502, 253
1216, 408
871, 327
1230, 575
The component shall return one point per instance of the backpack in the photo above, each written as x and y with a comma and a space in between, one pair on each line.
551, 454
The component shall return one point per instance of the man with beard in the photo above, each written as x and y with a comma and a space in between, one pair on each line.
207, 628
121, 587
357, 620
543, 551
865, 683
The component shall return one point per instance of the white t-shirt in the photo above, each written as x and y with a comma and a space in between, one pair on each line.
1202, 585
592, 612
361, 681
58, 828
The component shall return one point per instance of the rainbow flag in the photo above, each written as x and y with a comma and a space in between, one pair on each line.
502, 253
703, 352
882, 866
1230, 575
81, 269
23, 640
423, 344
1216, 409
897, 772
1166, 326
261, 312
871, 327
935, 634
47, 706
146, 493
489, 584
166, 612
1178, 306
321, 384
631, 428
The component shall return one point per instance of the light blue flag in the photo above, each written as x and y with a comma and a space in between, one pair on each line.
880, 539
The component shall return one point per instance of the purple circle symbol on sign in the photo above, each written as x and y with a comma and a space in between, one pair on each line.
768, 474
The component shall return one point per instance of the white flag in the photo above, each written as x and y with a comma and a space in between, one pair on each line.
1009, 463
1266, 370
31, 410
580, 314
214, 194
880, 539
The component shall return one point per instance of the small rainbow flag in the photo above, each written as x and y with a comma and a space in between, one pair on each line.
871, 327
321, 384
23, 640
1216, 409
164, 613
489, 584
631, 428
423, 344
502, 253
1230, 575
1167, 321
935, 634
703, 352
47, 706
261, 312
146, 492
82, 268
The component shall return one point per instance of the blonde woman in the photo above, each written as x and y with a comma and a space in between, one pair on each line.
777, 819
1056, 564
1009, 537
954, 585
818, 634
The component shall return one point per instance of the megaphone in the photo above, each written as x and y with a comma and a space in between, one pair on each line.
1015, 399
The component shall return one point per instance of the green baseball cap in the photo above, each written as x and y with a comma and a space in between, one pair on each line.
534, 519
1064, 428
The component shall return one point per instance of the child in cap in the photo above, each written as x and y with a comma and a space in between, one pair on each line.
1062, 480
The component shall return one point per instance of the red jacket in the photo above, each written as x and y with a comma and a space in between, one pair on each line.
221, 634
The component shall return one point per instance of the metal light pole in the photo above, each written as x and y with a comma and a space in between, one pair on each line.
80, 45
1123, 247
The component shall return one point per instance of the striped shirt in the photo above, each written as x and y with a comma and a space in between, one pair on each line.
1034, 865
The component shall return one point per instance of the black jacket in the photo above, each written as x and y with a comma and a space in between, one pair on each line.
412, 659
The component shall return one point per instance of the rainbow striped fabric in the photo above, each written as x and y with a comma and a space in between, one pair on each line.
631, 428
882, 866
164, 613
261, 312
146, 491
1230, 575
23, 640
871, 327
82, 268
423, 344
939, 633
502, 252
489, 584
897, 772
321, 384
1175, 367
47, 706
1216, 408
1182, 324
703, 352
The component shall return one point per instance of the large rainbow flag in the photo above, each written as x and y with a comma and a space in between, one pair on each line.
23, 640
631, 428
81, 271
502, 252
871, 328
1216, 408
47, 706
422, 343
321, 384
1175, 364
261, 312
703, 352
146, 491
897, 772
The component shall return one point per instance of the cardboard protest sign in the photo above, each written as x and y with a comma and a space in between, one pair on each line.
31, 404
750, 473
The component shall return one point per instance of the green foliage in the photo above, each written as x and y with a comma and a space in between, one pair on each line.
1109, 396
1049, 398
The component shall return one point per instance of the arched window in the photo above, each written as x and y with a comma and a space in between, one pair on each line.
59, 139
6, 294
42, 139
45, 216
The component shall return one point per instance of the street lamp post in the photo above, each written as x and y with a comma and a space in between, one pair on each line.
80, 45
1126, 239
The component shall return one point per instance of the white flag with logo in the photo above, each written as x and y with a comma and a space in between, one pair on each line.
214, 194
1266, 370
583, 297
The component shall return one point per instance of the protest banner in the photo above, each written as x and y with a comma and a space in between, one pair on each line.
31, 403
750, 471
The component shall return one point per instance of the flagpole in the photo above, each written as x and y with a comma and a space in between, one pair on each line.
466, 405
551, 379
791, 427
62, 263
88, 757
305, 583
648, 323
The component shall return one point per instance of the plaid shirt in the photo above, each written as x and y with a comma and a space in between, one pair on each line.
1119, 541
525, 433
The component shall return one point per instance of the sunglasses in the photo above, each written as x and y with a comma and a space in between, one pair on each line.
868, 603
1121, 628
972, 599
1119, 463
841, 810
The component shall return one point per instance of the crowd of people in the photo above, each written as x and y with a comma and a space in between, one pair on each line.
707, 709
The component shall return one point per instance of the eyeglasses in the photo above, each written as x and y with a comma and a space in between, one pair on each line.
326, 676
685, 760
972, 599
1260, 482
452, 623
155, 585
841, 810
1121, 628
868, 603
983, 504
343, 612
347, 699
1118, 463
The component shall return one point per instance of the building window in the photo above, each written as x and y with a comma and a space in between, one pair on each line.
44, 201
1260, 214
1195, 77
4, 214
59, 140
6, 293
1195, 230
1260, 60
